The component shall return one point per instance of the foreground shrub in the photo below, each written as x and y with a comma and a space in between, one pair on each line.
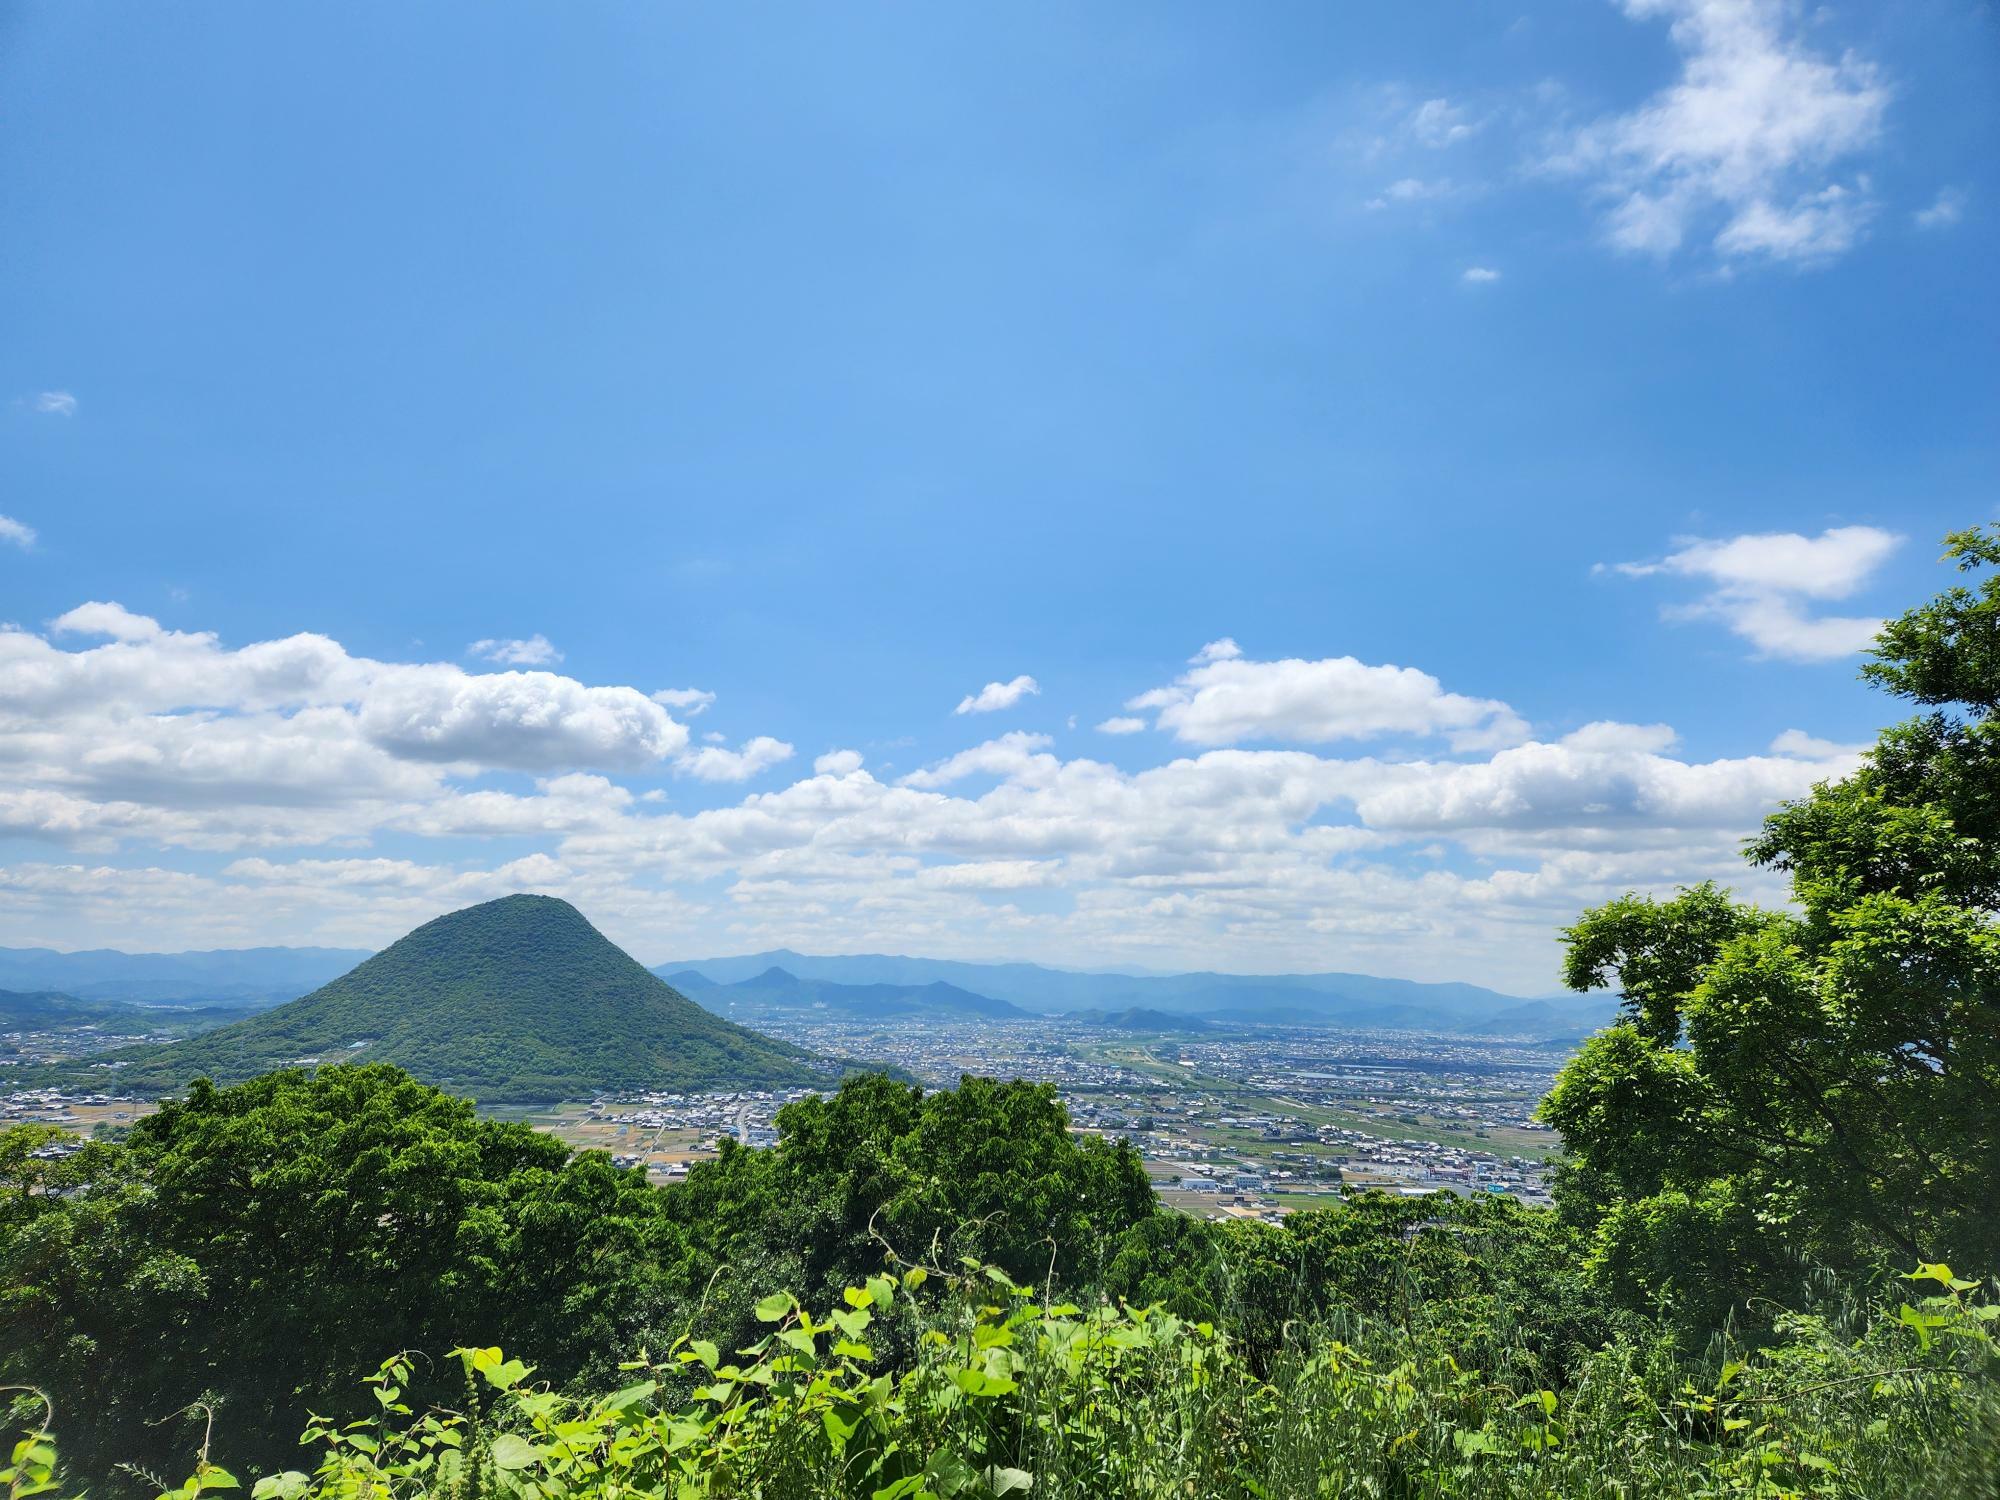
1009, 1394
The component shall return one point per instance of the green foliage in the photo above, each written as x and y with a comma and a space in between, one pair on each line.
516, 999
987, 1169
1482, 1272
227, 1268
253, 1243
1006, 1394
1821, 1085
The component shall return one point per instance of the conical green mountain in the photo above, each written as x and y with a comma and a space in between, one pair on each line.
514, 1000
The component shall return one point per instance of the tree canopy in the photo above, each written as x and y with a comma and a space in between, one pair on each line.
1824, 1080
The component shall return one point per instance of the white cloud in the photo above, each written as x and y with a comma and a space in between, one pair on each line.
1831, 565
688, 701
535, 651
526, 721
54, 404
100, 618
294, 756
20, 533
1797, 742
992, 875
998, 695
172, 736
1759, 580
1439, 122
1411, 190
1609, 735
1015, 756
1479, 274
1945, 210
1743, 146
1121, 724
1602, 782
1818, 226
1224, 699
713, 763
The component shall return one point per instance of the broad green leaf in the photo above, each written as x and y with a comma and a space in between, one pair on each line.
511, 1451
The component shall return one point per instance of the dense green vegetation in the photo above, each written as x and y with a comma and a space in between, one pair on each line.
1824, 1081
251, 1247
987, 1298
1775, 1159
514, 1000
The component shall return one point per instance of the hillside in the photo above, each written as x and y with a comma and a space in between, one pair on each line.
51, 1010
29, 1010
515, 1000
779, 991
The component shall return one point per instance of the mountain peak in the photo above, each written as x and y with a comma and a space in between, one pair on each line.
515, 999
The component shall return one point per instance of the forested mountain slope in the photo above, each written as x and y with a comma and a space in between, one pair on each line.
516, 999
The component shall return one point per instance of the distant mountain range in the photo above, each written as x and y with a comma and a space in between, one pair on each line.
515, 1000
781, 982
778, 991
1334, 999
244, 977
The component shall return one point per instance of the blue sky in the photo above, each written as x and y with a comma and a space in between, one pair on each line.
838, 363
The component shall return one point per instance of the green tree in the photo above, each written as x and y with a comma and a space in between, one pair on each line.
1822, 1081
987, 1169
253, 1246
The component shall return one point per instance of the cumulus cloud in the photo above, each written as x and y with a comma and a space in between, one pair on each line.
998, 695
19, 533
535, 651
525, 721
1478, 275
713, 763
1226, 699
172, 735
1796, 742
54, 404
99, 618
1744, 146
1760, 584
1606, 778
1121, 724
688, 701
991, 875
1015, 756
124, 743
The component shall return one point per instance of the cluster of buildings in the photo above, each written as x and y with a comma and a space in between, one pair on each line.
1247, 1123
747, 1116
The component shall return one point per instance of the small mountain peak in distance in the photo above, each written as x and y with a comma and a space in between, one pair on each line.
514, 1000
